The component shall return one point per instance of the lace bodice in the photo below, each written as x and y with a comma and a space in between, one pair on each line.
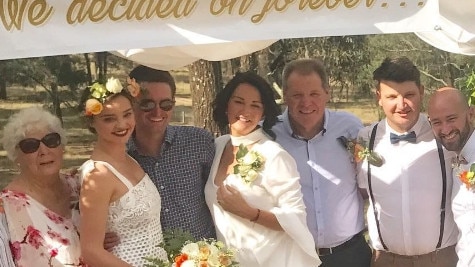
135, 217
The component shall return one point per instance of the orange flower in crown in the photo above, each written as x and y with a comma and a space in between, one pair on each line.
133, 87
98, 94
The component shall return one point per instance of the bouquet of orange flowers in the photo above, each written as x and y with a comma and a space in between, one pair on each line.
183, 251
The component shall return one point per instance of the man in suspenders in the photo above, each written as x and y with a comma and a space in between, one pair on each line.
410, 222
451, 119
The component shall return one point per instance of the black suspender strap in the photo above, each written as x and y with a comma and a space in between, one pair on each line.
370, 189
444, 191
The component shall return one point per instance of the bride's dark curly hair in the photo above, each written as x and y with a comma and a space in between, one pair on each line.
271, 109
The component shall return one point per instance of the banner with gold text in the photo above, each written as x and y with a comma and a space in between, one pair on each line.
31, 28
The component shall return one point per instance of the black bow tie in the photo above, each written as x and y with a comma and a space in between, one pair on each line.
409, 137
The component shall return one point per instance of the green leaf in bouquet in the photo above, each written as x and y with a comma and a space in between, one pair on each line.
242, 151
374, 159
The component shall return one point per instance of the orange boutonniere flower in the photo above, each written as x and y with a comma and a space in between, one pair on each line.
468, 177
360, 152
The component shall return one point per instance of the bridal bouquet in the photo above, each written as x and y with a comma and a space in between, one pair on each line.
205, 253
184, 251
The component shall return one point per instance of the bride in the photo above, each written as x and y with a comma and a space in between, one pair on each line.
253, 190
116, 194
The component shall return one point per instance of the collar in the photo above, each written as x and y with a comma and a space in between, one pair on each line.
170, 134
248, 139
416, 128
468, 150
290, 131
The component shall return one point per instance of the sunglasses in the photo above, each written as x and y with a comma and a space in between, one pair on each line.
147, 105
30, 145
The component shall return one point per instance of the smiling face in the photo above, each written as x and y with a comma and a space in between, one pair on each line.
42, 163
245, 110
155, 121
116, 122
306, 100
401, 103
450, 119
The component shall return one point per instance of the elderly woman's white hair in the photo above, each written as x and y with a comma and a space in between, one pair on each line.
29, 120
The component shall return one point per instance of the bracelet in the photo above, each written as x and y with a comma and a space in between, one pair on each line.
257, 216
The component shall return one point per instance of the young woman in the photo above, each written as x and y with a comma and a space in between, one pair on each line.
253, 190
116, 194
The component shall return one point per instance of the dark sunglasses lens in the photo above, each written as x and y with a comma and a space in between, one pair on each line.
166, 105
147, 105
52, 140
29, 145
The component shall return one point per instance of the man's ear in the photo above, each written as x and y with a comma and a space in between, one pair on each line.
377, 97
471, 114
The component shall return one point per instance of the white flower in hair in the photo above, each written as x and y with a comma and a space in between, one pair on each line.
113, 85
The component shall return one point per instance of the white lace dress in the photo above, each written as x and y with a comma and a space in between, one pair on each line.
135, 217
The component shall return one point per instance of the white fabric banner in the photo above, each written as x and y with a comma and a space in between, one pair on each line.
51, 27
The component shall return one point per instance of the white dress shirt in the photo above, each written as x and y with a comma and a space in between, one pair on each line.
407, 191
463, 206
328, 177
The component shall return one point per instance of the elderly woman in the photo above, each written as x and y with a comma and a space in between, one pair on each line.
38, 200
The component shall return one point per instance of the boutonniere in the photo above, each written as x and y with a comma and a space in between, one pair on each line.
468, 177
249, 163
359, 150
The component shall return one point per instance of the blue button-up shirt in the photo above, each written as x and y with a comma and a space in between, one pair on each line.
328, 177
180, 173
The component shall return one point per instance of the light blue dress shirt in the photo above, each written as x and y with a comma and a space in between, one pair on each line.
328, 177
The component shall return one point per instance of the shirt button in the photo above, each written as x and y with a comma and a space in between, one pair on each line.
161, 187
156, 164
166, 210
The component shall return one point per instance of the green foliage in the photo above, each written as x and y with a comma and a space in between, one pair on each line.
469, 88
173, 241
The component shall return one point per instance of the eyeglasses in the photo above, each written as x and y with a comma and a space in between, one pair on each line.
147, 105
30, 145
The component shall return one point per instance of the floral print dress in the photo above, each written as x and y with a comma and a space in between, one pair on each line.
39, 236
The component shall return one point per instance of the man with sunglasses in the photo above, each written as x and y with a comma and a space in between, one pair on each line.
177, 158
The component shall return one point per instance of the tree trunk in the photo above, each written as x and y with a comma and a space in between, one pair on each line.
56, 101
205, 81
88, 68
3, 87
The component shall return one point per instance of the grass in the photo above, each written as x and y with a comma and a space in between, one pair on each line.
80, 140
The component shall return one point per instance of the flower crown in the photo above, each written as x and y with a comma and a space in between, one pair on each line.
99, 92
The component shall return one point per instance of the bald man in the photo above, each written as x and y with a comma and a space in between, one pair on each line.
451, 120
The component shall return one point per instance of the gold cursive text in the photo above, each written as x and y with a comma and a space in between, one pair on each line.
37, 12
97, 10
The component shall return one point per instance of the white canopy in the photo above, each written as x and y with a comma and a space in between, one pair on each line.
455, 30
173, 33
